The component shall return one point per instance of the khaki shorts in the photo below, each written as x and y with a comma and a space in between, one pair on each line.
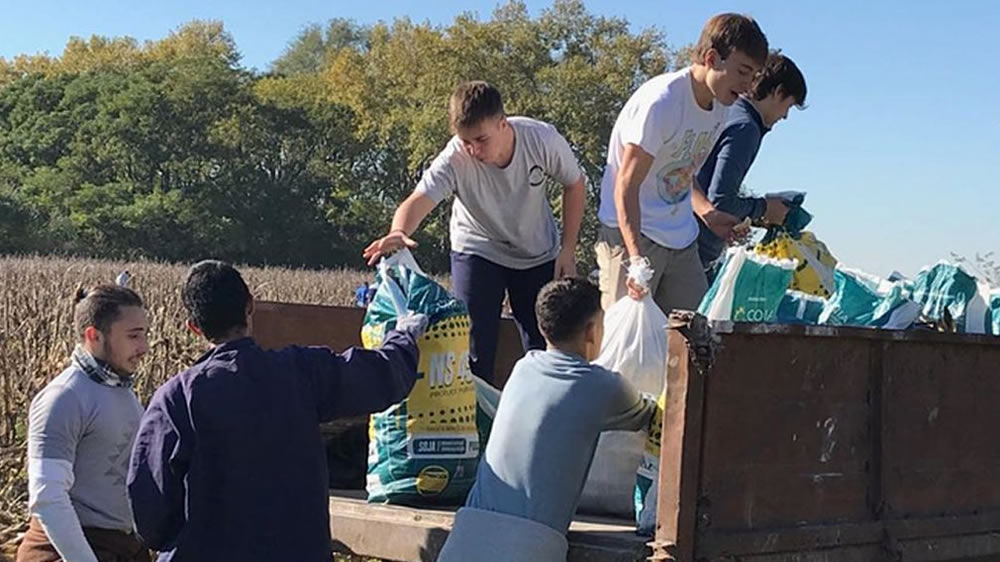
678, 277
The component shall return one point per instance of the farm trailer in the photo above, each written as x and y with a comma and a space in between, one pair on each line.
779, 444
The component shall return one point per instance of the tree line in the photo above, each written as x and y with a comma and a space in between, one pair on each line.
173, 150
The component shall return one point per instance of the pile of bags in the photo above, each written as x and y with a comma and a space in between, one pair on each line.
754, 285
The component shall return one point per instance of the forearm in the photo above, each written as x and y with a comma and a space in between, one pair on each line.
574, 203
411, 213
635, 165
699, 202
49, 481
742, 207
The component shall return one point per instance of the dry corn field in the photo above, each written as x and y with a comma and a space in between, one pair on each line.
36, 337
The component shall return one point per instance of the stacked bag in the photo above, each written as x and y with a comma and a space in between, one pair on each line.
424, 450
820, 291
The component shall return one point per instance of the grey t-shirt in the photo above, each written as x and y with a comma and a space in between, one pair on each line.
93, 426
503, 214
552, 410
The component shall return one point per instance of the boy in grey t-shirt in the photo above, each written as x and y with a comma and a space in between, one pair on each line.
80, 432
504, 238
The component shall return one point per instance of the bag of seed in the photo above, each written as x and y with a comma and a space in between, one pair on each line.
424, 450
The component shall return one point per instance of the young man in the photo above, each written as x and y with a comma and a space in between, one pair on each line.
80, 432
552, 411
503, 235
662, 135
229, 463
778, 87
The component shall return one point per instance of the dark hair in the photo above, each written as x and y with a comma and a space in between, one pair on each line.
216, 298
564, 307
780, 72
472, 102
101, 306
732, 32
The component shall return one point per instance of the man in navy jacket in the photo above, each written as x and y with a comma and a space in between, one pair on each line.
228, 463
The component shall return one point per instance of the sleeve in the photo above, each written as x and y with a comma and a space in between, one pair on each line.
361, 381
157, 471
736, 149
628, 410
439, 181
55, 426
561, 163
650, 124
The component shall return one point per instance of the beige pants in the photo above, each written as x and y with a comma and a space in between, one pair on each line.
678, 277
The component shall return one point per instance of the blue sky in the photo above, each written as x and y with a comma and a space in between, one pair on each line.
898, 148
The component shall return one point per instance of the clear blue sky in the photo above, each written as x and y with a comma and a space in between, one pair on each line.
898, 149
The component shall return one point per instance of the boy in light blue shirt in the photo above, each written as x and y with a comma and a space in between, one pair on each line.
552, 411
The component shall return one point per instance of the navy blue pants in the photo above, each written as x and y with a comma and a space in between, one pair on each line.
481, 285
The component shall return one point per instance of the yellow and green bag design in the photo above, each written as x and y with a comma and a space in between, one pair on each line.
816, 265
424, 450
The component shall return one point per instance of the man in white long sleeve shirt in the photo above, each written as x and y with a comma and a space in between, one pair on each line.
80, 432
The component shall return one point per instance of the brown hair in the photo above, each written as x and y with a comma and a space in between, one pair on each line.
732, 32
780, 72
101, 306
472, 102
564, 307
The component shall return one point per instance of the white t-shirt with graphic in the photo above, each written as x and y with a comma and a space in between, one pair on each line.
663, 118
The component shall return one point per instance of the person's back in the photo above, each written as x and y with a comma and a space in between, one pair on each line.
229, 463
552, 411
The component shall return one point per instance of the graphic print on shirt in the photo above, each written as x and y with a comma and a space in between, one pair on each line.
674, 180
536, 176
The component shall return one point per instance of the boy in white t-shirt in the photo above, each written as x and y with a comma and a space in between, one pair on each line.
649, 195
504, 238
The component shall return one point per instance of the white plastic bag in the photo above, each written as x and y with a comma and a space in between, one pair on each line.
635, 346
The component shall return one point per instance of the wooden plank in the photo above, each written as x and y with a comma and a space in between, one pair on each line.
680, 450
720, 544
279, 324
942, 454
787, 436
410, 534
929, 527
847, 332
867, 553
983, 547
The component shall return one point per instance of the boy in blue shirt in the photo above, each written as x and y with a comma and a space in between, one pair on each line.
779, 86
552, 411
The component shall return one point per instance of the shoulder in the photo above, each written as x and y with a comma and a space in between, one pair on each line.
532, 126
61, 393
666, 88
744, 132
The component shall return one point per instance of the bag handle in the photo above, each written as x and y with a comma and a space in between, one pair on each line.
402, 261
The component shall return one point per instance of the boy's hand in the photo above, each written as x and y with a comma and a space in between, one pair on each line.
721, 224
414, 324
635, 290
640, 273
775, 212
388, 244
565, 264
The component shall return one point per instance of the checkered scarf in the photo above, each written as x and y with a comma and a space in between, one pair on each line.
99, 371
